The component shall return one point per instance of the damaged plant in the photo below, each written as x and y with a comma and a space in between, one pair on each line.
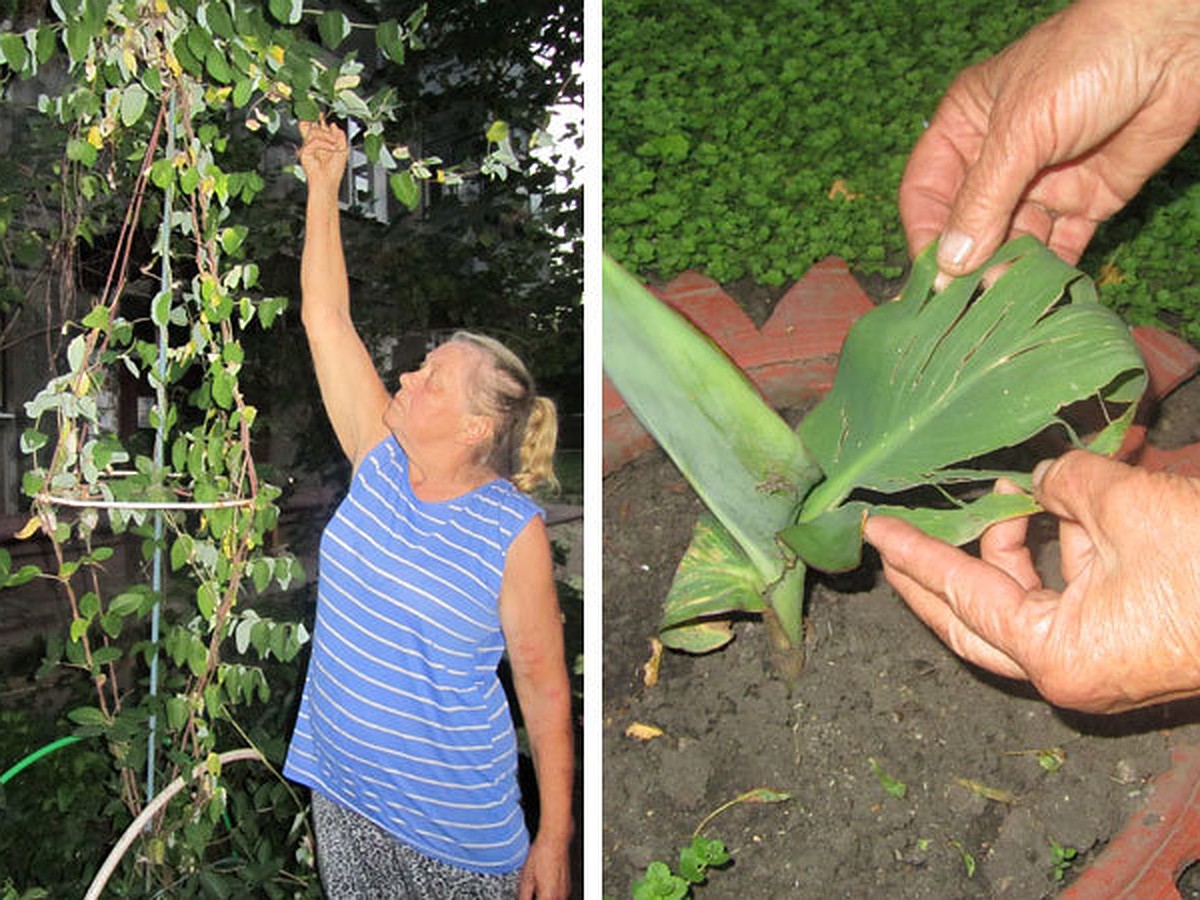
925, 387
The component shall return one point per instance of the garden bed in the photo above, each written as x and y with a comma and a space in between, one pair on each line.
995, 779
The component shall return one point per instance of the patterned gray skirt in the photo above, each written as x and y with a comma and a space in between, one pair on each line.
358, 860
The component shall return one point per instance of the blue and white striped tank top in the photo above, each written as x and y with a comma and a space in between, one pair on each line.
403, 718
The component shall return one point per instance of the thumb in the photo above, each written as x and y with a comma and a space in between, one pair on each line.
1073, 486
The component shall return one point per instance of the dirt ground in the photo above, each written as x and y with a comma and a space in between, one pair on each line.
877, 686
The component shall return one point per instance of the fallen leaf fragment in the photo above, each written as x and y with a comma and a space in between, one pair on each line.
989, 793
652, 665
839, 189
641, 732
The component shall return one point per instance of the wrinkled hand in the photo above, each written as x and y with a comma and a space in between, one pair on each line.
546, 874
1124, 632
1055, 133
323, 155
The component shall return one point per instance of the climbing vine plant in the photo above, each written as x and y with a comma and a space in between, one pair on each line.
156, 90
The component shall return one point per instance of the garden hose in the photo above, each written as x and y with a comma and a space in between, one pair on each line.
33, 757
38, 754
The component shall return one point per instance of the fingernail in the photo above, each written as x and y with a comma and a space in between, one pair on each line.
1039, 472
953, 249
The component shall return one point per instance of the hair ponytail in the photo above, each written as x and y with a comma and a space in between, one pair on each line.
536, 453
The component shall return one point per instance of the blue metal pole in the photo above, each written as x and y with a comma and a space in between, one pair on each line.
160, 435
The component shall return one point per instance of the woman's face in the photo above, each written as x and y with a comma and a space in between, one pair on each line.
433, 403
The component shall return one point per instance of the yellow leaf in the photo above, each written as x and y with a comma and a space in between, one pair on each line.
173, 64
94, 137
283, 89
276, 53
650, 669
497, 131
29, 529
441, 176
641, 732
161, 6
839, 189
1109, 274
990, 793
130, 60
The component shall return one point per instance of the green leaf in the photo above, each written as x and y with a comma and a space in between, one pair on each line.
218, 20
743, 460
125, 604
831, 542
372, 145
286, 11
78, 38
242, 92
333, 28
44, 44
714, 578
965, 523
13, 48
217, 65
497, 131
81, 151
388, 39
111, 624
404, 188
87, 715
659, 883
206, 599
133, 104
97, 317
177, 712
934, 379
232, 238
305, 108
260, 573
189, 179
162, 173
893, 786
32, 440
160, 309
222, 388
106, 655
197, 656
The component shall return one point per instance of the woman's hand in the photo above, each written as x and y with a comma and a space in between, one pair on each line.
1057, 132
546, 874
1124, 632
323, 155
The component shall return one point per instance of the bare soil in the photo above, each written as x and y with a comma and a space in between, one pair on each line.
877, 685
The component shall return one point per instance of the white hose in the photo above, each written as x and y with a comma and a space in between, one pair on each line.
136, 826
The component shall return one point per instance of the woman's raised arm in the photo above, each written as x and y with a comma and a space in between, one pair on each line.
351, 389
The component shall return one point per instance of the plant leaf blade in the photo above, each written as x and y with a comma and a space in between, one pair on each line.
746, 464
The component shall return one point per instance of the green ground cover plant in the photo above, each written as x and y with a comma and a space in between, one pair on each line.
754, 140
751, 141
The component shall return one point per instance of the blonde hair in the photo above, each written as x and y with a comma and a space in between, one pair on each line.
524, 425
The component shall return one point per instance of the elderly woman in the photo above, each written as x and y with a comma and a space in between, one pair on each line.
431, 568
